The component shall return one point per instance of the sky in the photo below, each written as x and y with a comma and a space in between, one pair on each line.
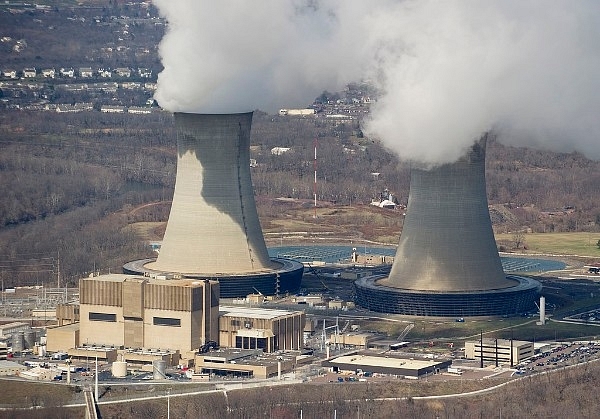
448, 71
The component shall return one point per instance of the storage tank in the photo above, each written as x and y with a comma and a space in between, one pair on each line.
119, 369
29, 337
18, 342
41, 351
159, 368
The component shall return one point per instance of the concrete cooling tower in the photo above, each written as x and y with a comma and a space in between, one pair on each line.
447, 263
213, 230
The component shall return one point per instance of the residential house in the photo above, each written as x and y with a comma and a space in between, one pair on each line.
78, 107
67, 72
48, 73
278, 151
145, 73
112, 109
123, 72
139, 110
105, 73
85, 72
29, 73
10, 73
131, 85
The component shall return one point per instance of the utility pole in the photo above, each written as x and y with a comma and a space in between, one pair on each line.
511, 349
481, 349
58, 271
315, 182
96, 378
496, 352
168, 403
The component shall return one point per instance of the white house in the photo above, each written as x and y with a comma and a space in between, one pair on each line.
48, 73
123, 72
67, 72
85, 72
10, 73
105, 73
29, 72
112, 109
278, 151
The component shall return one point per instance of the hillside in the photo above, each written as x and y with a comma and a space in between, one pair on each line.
72, 184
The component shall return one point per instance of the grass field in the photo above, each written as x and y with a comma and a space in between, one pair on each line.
577, 244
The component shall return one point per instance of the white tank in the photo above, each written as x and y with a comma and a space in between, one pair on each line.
119, 369
41, 350
159, 368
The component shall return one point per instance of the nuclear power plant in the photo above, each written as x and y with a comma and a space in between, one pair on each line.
213, 231
447, 263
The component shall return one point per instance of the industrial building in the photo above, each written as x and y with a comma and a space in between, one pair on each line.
136, 312
213, 248
213, 231
9, 329
61, 338
266, 329
20, 335
141, 320
378, 364
353, 339
244, 363
447, 263
500, 351
11, 368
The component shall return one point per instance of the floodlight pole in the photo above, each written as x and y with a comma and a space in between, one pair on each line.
96, 378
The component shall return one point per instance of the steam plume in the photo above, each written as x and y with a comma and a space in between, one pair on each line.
451, 70
236, 56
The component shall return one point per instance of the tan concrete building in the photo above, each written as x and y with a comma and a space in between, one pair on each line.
499, 350
244, 363
62, 338
257, 328
11, 368
389, 365
137, 312
67, 314
355, 340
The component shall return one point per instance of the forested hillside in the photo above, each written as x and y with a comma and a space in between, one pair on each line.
70, 182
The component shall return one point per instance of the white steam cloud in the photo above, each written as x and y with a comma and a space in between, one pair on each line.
451, 70
448, 70
236, 56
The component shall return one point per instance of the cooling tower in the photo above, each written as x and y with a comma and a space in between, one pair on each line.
447, 242
213, 231
447, 263
213, 219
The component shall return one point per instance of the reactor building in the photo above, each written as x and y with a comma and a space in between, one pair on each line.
213, 231
447, 263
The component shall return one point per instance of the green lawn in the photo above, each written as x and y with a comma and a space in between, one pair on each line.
579, 244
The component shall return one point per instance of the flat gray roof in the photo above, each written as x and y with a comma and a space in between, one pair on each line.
254, 313
386, 362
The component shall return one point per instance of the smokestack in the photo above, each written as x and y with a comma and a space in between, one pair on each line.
447, 242
213, 226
